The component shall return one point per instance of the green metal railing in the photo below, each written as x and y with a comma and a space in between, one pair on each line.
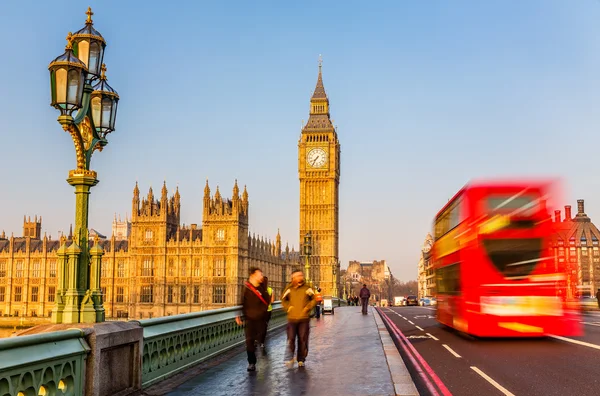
43, 364
175, 343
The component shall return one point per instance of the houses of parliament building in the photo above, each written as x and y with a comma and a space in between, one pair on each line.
154, 266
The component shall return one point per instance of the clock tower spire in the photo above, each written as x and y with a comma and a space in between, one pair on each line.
319, 174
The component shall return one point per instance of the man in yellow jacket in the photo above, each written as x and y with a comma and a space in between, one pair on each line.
298, 300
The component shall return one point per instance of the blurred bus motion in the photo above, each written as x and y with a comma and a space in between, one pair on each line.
496, 274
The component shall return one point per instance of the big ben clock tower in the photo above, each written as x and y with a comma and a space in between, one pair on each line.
319, 173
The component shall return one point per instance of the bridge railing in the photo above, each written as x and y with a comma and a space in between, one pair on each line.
174, 343
43, 364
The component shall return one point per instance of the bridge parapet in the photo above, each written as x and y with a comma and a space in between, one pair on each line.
175, 343
43, 364
75, 361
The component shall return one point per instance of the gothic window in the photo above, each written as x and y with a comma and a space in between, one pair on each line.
121, 269
2, 269
218, 295
197, 267
596, 252
147, 294
120, 294
51, 293
219, 266
183, 267
220, 235
170, 294
103, 269
34, 293
19, 269
36, 269
183, 292
171, 269
561, 242
572, 241
18, 293
148, 268
2, 293
584, 252
52, 269
196, 294
148, 235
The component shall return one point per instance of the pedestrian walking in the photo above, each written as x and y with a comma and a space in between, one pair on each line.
271, 299
319, 299
254, 313
364, 294
298, 300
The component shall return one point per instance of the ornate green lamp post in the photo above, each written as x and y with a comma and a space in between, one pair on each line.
88, 108
307, 246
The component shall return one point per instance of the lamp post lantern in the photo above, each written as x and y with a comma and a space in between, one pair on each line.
78, 294
307, 246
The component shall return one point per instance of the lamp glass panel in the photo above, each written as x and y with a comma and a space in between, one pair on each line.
106, 109
73, 88
96, 110
83, 51
113, 114
61, 85
93, 67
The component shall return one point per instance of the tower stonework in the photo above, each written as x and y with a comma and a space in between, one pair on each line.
32, 229
319, 173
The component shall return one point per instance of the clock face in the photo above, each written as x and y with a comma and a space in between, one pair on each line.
316, 158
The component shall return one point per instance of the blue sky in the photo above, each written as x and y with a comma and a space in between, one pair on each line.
426, 95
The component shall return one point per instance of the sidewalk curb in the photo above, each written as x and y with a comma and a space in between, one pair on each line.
403, 383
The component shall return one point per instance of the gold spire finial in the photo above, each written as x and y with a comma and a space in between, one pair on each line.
69, 41
103, 74
89, 14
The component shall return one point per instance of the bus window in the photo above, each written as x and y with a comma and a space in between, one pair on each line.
448, 279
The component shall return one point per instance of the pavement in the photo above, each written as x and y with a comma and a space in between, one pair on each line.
472, 366
348, 354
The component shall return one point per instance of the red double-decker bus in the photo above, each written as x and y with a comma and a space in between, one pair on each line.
496, 275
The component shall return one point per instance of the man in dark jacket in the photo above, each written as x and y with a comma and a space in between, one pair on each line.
254, 313
365, 294
298, 300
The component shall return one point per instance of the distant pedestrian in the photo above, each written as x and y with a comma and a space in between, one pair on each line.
318, 307
364, 294
269, 291
254, 313
298, 300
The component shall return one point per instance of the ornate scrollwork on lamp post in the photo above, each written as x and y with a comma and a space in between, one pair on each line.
88, 114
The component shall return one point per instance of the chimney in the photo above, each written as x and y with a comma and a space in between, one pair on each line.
568, 213
580, 208
557, 216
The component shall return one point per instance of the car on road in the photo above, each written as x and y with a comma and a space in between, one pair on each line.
424, 301
412, 300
